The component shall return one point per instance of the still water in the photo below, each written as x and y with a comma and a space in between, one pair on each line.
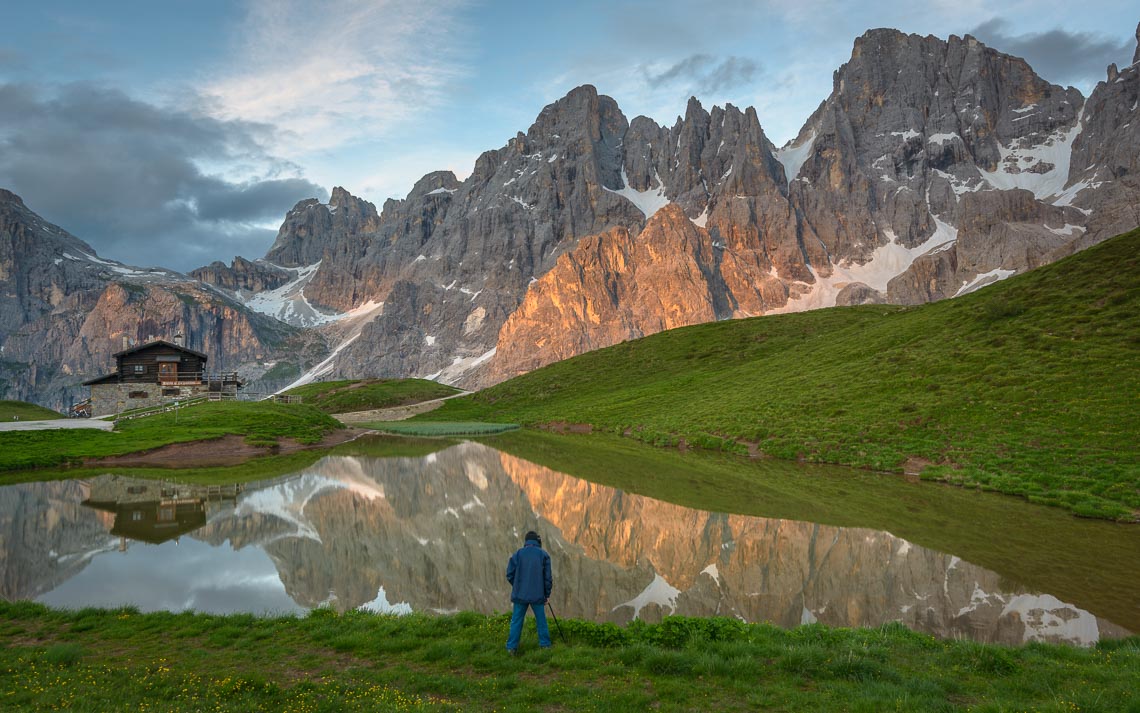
433, 534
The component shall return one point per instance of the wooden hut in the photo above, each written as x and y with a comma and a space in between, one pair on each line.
155, 373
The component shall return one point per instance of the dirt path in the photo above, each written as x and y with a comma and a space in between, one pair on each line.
56, 423
395, 413
227, 450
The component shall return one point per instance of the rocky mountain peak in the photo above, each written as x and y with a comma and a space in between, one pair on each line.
7, 196
933, 166
694, 112
304, 234
1136, 54
340, 197
582, 110
435, 183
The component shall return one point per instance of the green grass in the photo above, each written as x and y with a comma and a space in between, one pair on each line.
121, 659
433, 429
367, 394
23, 411
1028, 387
261, 423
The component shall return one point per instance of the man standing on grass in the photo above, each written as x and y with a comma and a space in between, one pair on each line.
528, 571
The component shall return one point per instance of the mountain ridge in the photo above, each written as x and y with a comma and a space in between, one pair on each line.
934, 167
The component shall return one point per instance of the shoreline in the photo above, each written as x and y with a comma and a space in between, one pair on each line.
214, 452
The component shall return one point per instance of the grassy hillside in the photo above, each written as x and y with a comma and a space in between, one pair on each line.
1030, 386
120, 659
23, 411
261, 423
363, 395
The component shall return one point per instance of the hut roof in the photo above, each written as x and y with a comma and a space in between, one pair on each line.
112, 378
160, 342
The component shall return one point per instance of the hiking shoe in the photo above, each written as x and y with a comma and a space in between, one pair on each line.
512, 652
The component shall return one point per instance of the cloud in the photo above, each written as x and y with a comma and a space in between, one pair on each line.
144, 184
702, 72
326, 75
1058, 55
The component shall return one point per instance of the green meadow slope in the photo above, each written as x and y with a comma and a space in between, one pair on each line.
367, 394
1029, 387
23, 411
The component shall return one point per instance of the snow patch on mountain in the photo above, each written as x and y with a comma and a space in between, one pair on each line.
355, 319
794, 157
702, 219
144, 274
1068, 230
287, 303
648, 201
459, 366
986, 278
887, 262
1041, 169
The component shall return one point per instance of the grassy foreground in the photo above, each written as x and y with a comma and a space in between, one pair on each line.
121, 659
260, 422
24, 411
367, 394
1028, 387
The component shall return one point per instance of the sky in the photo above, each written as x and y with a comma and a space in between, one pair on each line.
178, 133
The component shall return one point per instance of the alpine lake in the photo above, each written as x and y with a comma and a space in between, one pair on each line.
399, 525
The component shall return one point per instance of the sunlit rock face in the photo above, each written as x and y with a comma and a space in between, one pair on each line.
934, 167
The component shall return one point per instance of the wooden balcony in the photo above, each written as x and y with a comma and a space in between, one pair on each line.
197, 378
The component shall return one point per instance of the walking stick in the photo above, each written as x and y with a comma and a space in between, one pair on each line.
556, 623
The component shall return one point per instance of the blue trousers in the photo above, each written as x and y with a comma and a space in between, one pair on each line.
517, 623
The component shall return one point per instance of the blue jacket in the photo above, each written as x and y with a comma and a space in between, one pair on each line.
528, 571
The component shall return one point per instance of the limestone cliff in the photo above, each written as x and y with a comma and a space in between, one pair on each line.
613, 287
64, 311
934, 167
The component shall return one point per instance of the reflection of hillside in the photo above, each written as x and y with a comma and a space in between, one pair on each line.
435, 533
46, 536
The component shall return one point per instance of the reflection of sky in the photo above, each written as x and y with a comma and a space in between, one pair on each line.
174, 576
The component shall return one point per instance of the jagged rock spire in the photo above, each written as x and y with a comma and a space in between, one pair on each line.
1136, 55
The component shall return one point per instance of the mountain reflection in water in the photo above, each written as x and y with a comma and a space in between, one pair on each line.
434, 533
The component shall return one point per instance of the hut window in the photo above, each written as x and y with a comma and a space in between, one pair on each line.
140, 368
138, 394
136, 489
171, 392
